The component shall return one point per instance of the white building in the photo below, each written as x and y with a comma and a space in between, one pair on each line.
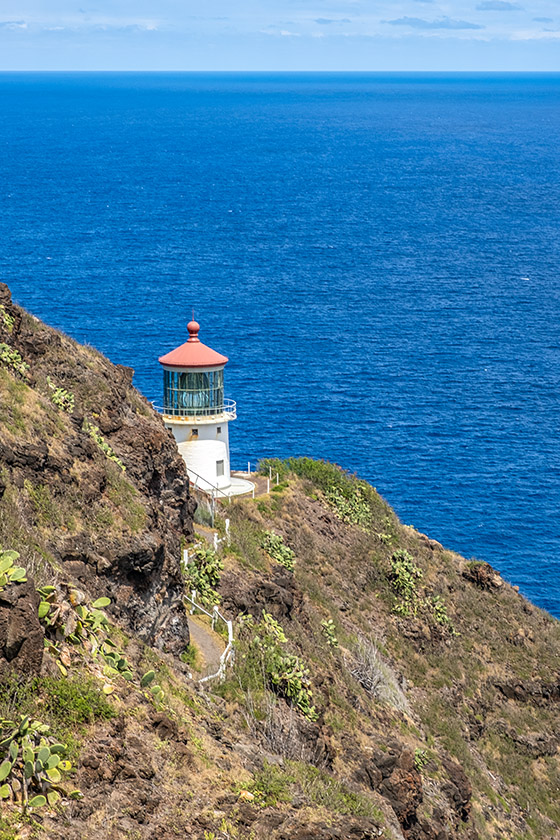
195, 409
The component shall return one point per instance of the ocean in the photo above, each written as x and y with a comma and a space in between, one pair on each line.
377, 254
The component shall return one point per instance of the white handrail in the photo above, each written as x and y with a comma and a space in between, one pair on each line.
214, 615
214, 487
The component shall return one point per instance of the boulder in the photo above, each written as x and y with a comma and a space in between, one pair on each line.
21, 635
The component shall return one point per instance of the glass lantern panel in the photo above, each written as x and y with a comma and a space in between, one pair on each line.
193, 393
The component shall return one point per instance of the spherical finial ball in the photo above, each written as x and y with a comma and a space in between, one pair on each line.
193, 328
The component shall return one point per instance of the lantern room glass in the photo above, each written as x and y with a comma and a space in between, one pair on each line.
193, 393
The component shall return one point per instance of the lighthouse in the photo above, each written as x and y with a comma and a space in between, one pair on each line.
195, 409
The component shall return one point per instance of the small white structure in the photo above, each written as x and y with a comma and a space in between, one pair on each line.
195, 409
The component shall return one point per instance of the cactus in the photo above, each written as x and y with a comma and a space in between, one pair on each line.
31, 766
8, 572
69, 621
274, 546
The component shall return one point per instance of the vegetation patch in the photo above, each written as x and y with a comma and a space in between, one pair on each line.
8, 572
11, 359
7, 320
95, 435
329, 632
404, 577
274, 784
353, 500
62, 398
31, 764
125, 497
263, 653
202, 573
275, 547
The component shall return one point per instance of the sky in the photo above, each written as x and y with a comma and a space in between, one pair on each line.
280, 35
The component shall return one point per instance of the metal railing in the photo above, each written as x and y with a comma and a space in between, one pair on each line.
215, 615
192, 414
213, 490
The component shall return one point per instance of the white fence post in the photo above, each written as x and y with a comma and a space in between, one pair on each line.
228, 538
268, 485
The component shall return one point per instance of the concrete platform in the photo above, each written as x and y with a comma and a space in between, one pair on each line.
239, 486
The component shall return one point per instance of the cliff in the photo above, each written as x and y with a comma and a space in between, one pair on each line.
382, 686
92, 488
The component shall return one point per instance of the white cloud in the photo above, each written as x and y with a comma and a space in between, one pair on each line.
13, 24
442, 23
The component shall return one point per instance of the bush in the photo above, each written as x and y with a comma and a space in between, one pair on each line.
96, 435
12, 359
353, 500
329, 632
404, 576
60, 397
263, 655
376, 676
203, 574
275, 784
74, 701
274, 546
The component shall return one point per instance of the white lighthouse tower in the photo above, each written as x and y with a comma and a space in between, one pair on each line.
195, 409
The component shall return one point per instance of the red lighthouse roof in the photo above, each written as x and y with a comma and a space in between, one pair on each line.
193, 353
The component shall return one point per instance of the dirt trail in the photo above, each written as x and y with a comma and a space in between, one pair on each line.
210, 645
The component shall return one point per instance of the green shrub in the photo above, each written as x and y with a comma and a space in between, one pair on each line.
352, 499
438, 609
404, 576
286, 674
7, 319
325, 791
74, 701
351, 506
96, 435
329, 632
274, 546
275, 784
203, 574
43, 505
421, 758
271, 785
10, 358
31, 763
69, 624
60, 397
8, 572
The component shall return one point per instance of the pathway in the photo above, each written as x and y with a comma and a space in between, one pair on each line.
209, 643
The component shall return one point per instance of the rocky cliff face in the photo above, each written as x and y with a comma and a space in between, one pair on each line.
92, 488
382, 687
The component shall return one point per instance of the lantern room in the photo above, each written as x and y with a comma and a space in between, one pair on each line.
195, 409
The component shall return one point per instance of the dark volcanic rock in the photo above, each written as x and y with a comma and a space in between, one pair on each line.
117, 531
279, 596
21, 635
458, 789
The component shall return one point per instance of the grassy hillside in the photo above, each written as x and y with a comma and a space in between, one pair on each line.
381, 686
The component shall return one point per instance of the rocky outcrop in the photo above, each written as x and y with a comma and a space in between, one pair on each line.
483, 575
279, 595
100, 483
21, 635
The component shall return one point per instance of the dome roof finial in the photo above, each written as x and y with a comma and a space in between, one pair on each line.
193, 328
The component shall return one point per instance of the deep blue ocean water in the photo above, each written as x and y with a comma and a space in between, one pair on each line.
378, 255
